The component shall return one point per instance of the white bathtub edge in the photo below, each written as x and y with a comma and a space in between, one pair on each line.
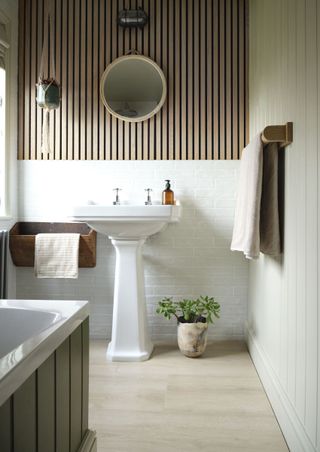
43, 345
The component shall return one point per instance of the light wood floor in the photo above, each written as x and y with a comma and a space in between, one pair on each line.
176, 404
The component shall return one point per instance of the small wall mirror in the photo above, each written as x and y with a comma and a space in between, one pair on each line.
133, 88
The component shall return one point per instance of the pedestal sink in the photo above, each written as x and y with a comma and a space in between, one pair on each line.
128, 226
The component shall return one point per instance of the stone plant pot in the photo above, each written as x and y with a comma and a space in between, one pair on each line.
192, 338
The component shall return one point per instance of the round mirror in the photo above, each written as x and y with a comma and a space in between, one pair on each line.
133, 88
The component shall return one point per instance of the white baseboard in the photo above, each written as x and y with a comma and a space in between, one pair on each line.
291, 426
89, 442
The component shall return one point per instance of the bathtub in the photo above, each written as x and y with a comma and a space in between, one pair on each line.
43, 364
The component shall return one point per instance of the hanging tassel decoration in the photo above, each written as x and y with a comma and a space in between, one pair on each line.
45, 146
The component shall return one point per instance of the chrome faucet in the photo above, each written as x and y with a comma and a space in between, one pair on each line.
117, 201
148, 201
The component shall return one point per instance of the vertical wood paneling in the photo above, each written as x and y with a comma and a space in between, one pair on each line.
6, 426
76, 78
57, 113
46, 406
313, 84
284, 292
62, 377
85, 375
24, 416
215, 80
49, 411
83, 87
76, 389
65, 91
201, 47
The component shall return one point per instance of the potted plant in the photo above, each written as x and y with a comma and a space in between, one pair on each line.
193, 317
48, 93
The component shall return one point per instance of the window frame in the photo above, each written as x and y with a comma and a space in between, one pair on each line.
5, 197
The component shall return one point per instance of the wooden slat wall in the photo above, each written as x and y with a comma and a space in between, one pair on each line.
201, 46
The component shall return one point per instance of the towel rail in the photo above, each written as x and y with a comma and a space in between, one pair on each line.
278, 134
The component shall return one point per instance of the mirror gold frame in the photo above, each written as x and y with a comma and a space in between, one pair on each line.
126, 58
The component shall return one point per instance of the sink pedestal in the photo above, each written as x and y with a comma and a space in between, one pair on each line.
130, 339
128, 226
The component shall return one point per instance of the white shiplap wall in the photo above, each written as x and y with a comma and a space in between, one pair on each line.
283, 312
187, 259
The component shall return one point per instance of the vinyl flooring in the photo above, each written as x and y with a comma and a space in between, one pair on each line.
171, 403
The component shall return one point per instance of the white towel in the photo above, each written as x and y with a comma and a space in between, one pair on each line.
246, 230
56, 255
256, 224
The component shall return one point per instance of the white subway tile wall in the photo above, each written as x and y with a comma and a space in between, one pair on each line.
187, 259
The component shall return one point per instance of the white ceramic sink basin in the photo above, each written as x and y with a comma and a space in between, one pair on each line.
127, 221
128, 226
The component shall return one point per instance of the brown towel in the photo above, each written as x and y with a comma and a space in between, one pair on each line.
269, 211
256, 224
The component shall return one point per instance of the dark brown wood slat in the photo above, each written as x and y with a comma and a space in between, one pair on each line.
83, 87
201, 47
89, 45
27, 85
195, 63
158, 117
235, 68
21, 75
171, 78
228, 76
65, 92
114, 55
177, 75
242, 111
209, 86
133, 125
139, 125
122, 48
183, 81
202, 81
101, 66
189, 75
146, 51
216, 84
152, 54
95, 80
246, 70
33, 79
108, 58
57, 113
77, 81
222, 80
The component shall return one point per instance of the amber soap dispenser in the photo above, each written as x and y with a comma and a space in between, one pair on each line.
167, 194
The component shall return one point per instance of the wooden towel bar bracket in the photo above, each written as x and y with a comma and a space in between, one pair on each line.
278, 134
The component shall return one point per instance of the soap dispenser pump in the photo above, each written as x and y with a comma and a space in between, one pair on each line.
167, 194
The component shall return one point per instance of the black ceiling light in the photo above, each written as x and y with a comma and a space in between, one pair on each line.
132, 18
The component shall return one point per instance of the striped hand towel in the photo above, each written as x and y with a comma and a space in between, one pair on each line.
56, 255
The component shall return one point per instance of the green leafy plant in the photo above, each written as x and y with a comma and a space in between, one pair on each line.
202, 309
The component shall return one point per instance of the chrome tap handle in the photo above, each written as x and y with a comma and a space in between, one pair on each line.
148, 201
117, 201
